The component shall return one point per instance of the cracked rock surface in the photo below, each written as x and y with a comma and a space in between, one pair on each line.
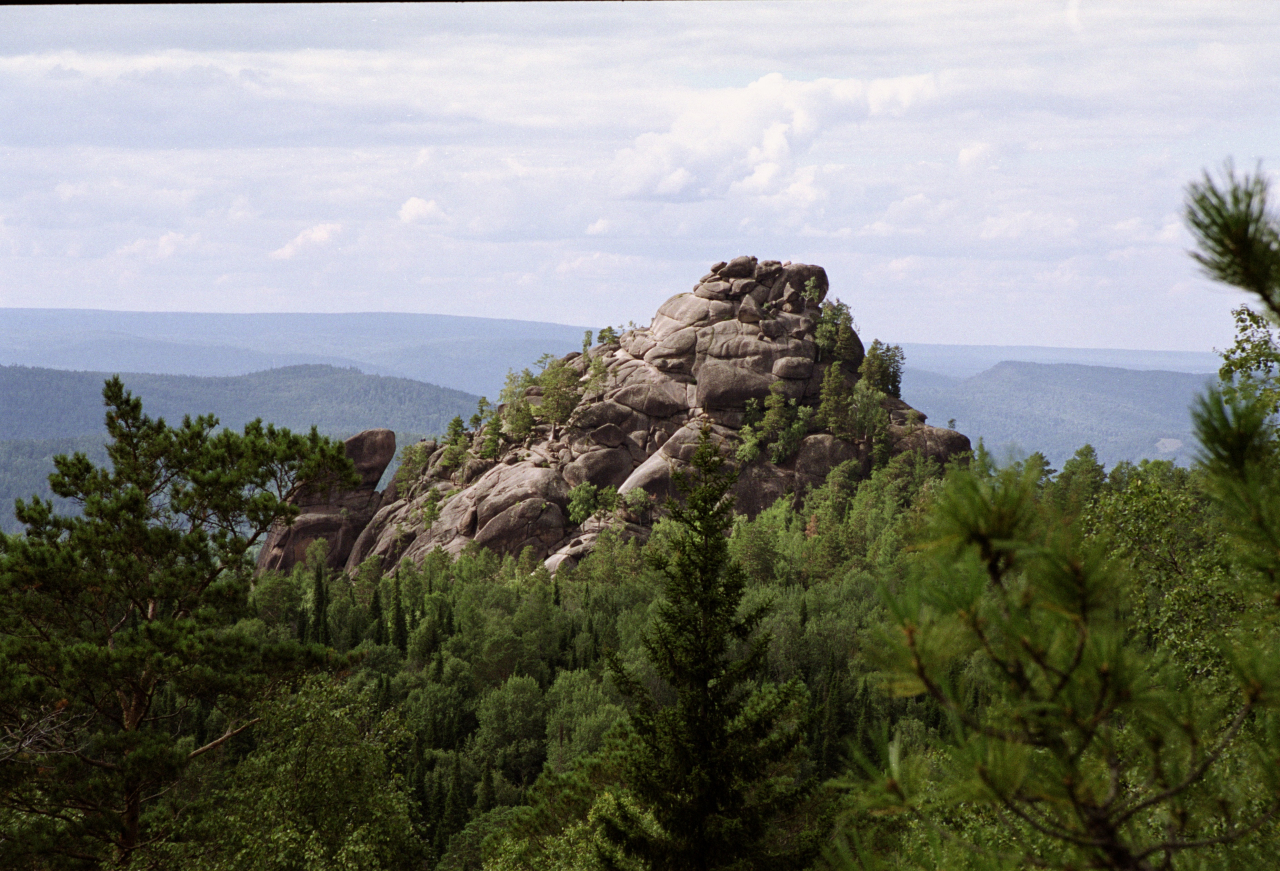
746, 326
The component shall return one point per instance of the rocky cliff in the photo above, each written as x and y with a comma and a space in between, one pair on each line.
636, 404
338, 517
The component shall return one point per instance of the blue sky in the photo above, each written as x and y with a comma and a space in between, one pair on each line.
967, 173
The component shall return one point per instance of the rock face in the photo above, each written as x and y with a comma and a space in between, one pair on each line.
746, 326
340, 516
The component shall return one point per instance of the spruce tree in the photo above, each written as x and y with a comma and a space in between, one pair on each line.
399, 628
377, 624
714, 769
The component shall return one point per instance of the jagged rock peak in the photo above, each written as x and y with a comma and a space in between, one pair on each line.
628, 413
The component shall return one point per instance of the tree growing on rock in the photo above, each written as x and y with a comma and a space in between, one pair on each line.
882, 368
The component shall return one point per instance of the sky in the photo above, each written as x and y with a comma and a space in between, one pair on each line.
967, 173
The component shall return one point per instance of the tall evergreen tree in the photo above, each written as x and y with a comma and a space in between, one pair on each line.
377, 623
399, 627
713, 768
117, 626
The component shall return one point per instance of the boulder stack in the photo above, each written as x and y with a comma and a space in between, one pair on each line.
746, 326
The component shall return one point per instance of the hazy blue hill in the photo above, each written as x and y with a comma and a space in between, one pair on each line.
51, 403
25, 466
962, 361
469, 354
44, 412
1056, 408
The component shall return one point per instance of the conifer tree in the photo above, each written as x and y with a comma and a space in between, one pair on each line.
377, 623
713, 767
1091, 750
117, 625
399, 628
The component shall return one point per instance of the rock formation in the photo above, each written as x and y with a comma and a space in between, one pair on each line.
337, 516
748, 327
748, 330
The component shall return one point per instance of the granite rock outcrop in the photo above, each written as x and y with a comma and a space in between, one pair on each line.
338, 516
747, 329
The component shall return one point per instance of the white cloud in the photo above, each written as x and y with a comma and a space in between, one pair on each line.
160, 248
704, 130
973, 154
1027, 224
418, 209
318, 235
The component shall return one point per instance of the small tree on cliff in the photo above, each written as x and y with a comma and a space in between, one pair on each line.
117, 629
715, 768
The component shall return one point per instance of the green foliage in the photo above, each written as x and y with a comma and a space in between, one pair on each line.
455, 446
482, 413
511, 733
1252, 364
781, 429
1084, 750
835, 334
715, 767
882, 368
429, 512
560, 391
608, 335
1237, 235
118, 625
638, 503
414, 459
854, 413
319, 792
558, 388
586, 500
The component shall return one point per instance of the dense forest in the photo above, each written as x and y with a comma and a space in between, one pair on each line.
976, 666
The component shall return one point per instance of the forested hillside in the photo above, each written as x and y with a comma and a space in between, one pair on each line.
50, 403
1016, 408
50, 411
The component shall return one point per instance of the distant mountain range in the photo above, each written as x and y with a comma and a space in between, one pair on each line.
53, 403
348, 372
468, 354
1019, 407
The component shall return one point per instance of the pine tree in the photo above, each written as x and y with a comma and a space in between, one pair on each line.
134, 600
712, 768
485, 792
